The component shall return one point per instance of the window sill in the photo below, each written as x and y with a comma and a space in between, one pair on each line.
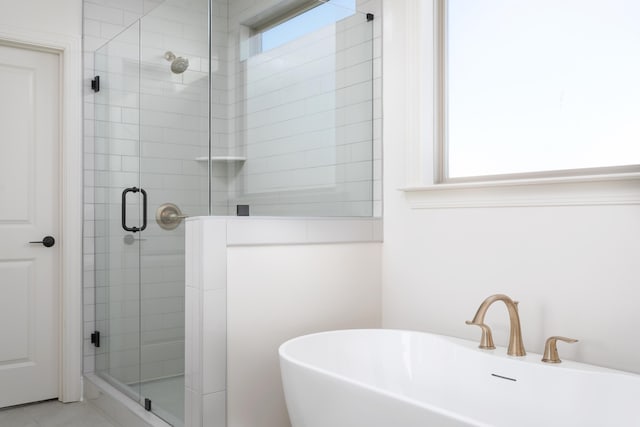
614, 189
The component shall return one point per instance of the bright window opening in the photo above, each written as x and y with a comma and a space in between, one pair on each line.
325, 13
541, 85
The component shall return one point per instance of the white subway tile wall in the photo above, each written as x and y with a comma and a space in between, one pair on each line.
307, 115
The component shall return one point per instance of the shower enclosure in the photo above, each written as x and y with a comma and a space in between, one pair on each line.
210, 107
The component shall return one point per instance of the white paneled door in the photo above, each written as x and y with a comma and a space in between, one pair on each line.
29, 212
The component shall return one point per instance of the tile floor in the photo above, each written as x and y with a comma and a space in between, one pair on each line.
52, 413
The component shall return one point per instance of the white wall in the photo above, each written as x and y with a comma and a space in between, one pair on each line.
253, 284
574, 269
60, 17
289, 291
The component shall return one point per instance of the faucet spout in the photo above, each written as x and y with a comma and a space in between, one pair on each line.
516, 346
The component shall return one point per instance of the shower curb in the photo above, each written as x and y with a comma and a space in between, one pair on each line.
115, 405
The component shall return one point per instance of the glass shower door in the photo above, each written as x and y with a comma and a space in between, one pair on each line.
151, 161
117, 250
174, 140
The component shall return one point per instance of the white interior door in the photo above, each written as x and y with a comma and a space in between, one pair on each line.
29, 210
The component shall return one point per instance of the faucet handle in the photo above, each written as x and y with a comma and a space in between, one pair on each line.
551, 349
486, 340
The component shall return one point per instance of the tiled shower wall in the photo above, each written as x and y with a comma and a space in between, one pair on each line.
302, 116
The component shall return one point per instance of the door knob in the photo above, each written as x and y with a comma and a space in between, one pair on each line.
47, 241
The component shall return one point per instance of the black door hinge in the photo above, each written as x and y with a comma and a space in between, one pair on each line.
147, 404
95, 338
95, 84
369, 17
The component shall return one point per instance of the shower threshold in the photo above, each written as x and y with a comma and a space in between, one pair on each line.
166, 395
118, 404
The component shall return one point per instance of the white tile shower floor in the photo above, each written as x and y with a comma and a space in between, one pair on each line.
52, 413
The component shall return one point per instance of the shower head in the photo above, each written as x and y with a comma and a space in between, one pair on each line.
178, 64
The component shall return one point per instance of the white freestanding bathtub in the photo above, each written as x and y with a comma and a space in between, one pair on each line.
390, 378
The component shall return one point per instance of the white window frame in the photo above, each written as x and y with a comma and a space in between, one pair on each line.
418, 27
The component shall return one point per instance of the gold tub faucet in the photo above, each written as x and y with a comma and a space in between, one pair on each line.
516, 347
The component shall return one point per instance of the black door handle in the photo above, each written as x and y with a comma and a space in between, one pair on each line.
47, 241
124, 209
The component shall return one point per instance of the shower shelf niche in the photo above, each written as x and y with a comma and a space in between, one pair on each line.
221, 159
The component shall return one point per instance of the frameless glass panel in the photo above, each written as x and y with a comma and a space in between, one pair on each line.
541, 85
174, 124
117, 292
301, 131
